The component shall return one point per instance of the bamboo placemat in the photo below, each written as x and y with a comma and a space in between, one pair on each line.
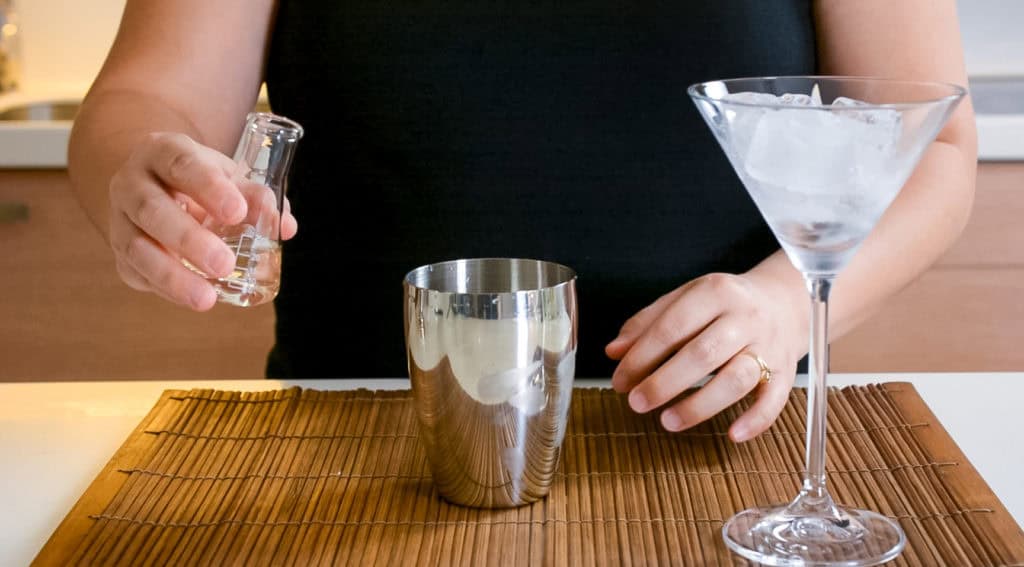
310, 477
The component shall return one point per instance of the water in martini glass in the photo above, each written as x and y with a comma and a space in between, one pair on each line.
822, 157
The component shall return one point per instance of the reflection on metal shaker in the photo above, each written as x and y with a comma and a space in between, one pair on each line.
491, 347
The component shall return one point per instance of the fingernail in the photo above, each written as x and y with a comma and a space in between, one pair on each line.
230, 208
638, 401
219, 262
201, 297
740, 433
671, 420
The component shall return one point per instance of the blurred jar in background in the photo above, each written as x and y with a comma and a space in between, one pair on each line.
10, 73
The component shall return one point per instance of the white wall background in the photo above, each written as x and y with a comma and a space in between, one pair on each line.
64, 42
993, 35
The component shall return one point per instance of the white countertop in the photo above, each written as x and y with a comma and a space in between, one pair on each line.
999, 115
36, 143
56, 437
1000, 137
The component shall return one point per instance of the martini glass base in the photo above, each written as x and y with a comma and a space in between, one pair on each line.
798, 534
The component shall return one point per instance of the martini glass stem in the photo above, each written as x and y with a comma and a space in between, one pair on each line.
817, 394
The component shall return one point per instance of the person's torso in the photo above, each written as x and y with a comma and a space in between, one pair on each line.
557, 131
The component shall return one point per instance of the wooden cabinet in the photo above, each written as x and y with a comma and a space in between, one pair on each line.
967, 312
64, 313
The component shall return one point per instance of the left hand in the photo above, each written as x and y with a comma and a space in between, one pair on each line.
702, 327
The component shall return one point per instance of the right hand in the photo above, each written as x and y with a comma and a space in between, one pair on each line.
159, 199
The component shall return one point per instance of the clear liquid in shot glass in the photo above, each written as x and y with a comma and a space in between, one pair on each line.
256, 277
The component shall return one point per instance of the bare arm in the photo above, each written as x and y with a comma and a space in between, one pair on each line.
168, 103
707, 324
910, 39
916, 39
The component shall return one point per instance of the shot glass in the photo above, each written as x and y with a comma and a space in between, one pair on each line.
262, 162
491, 346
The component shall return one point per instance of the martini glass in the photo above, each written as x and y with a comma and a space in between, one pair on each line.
822, 158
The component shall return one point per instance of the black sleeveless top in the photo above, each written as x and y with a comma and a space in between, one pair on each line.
557, 131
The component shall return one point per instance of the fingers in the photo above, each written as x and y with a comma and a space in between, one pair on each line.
148, 266
149, 207
771, 399
261, 208
202, 173
734, 380
702, 328
159, 200
131, 276
698, 358
685, 315
637, 324
190, 206
289, 226
137, 281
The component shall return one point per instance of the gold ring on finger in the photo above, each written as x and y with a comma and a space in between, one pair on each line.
766, 372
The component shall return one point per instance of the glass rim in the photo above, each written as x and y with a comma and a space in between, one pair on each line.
562, 275
276, 123
956, 92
